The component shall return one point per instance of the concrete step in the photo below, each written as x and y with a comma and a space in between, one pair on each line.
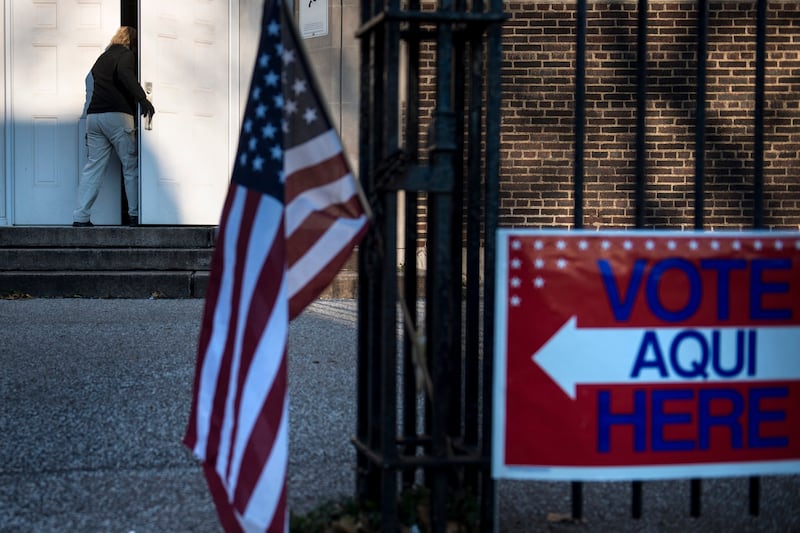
66, 259
104, 284
108, 236
119, 262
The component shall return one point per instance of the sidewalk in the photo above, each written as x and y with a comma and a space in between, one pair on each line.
95, 395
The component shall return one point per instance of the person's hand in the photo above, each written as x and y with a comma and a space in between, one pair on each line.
147, 108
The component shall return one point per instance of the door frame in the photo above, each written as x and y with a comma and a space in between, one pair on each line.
7, 216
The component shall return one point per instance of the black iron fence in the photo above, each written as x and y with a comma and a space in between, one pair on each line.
424, 412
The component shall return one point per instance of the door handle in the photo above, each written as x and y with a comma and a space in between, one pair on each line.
148, 119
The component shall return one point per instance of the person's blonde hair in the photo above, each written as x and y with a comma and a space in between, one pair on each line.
125, 36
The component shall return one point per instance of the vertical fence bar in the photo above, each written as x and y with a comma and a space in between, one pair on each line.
455, 359
699, 175
410, 274
494, 61
580, 133
367, 482
580, 110
641, 113
641, 168
695, 505
473, 288
439, 304
700, 115
389, 290
758, 140
754, 485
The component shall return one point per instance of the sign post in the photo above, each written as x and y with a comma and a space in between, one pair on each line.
636, 355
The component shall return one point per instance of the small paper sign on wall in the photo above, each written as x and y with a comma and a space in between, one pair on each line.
313, 18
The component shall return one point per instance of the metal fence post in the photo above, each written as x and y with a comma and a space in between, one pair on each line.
443, 440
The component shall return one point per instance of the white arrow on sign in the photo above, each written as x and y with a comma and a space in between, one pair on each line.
585, 356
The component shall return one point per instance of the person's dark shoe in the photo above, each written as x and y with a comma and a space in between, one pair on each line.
86, 224
134, 221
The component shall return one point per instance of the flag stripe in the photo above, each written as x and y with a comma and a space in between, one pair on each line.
210, 366
210, 309
265, 434
270, 506
312, 176
220, 428
315, 227
338, 199
321, 148
264, 285
227, 516
311, 275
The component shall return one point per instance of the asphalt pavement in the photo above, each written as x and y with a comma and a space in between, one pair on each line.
95, 396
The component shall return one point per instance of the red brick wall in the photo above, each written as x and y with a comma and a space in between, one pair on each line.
538, 114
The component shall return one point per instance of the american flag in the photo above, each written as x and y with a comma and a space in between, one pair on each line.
291, 218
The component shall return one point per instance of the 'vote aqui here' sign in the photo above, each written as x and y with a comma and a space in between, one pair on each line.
645, 355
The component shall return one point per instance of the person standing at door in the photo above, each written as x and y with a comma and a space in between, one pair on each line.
110, 125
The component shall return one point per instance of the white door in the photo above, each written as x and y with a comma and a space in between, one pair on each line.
53, 45
186, 63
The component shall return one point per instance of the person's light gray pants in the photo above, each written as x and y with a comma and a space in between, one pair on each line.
104, 132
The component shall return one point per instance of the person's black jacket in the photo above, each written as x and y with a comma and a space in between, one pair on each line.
116, 88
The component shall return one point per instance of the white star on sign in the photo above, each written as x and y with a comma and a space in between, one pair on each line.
539, 263
561, 263
516, 245
515, 301
583, 245
516, 263
516, 282
538, 282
